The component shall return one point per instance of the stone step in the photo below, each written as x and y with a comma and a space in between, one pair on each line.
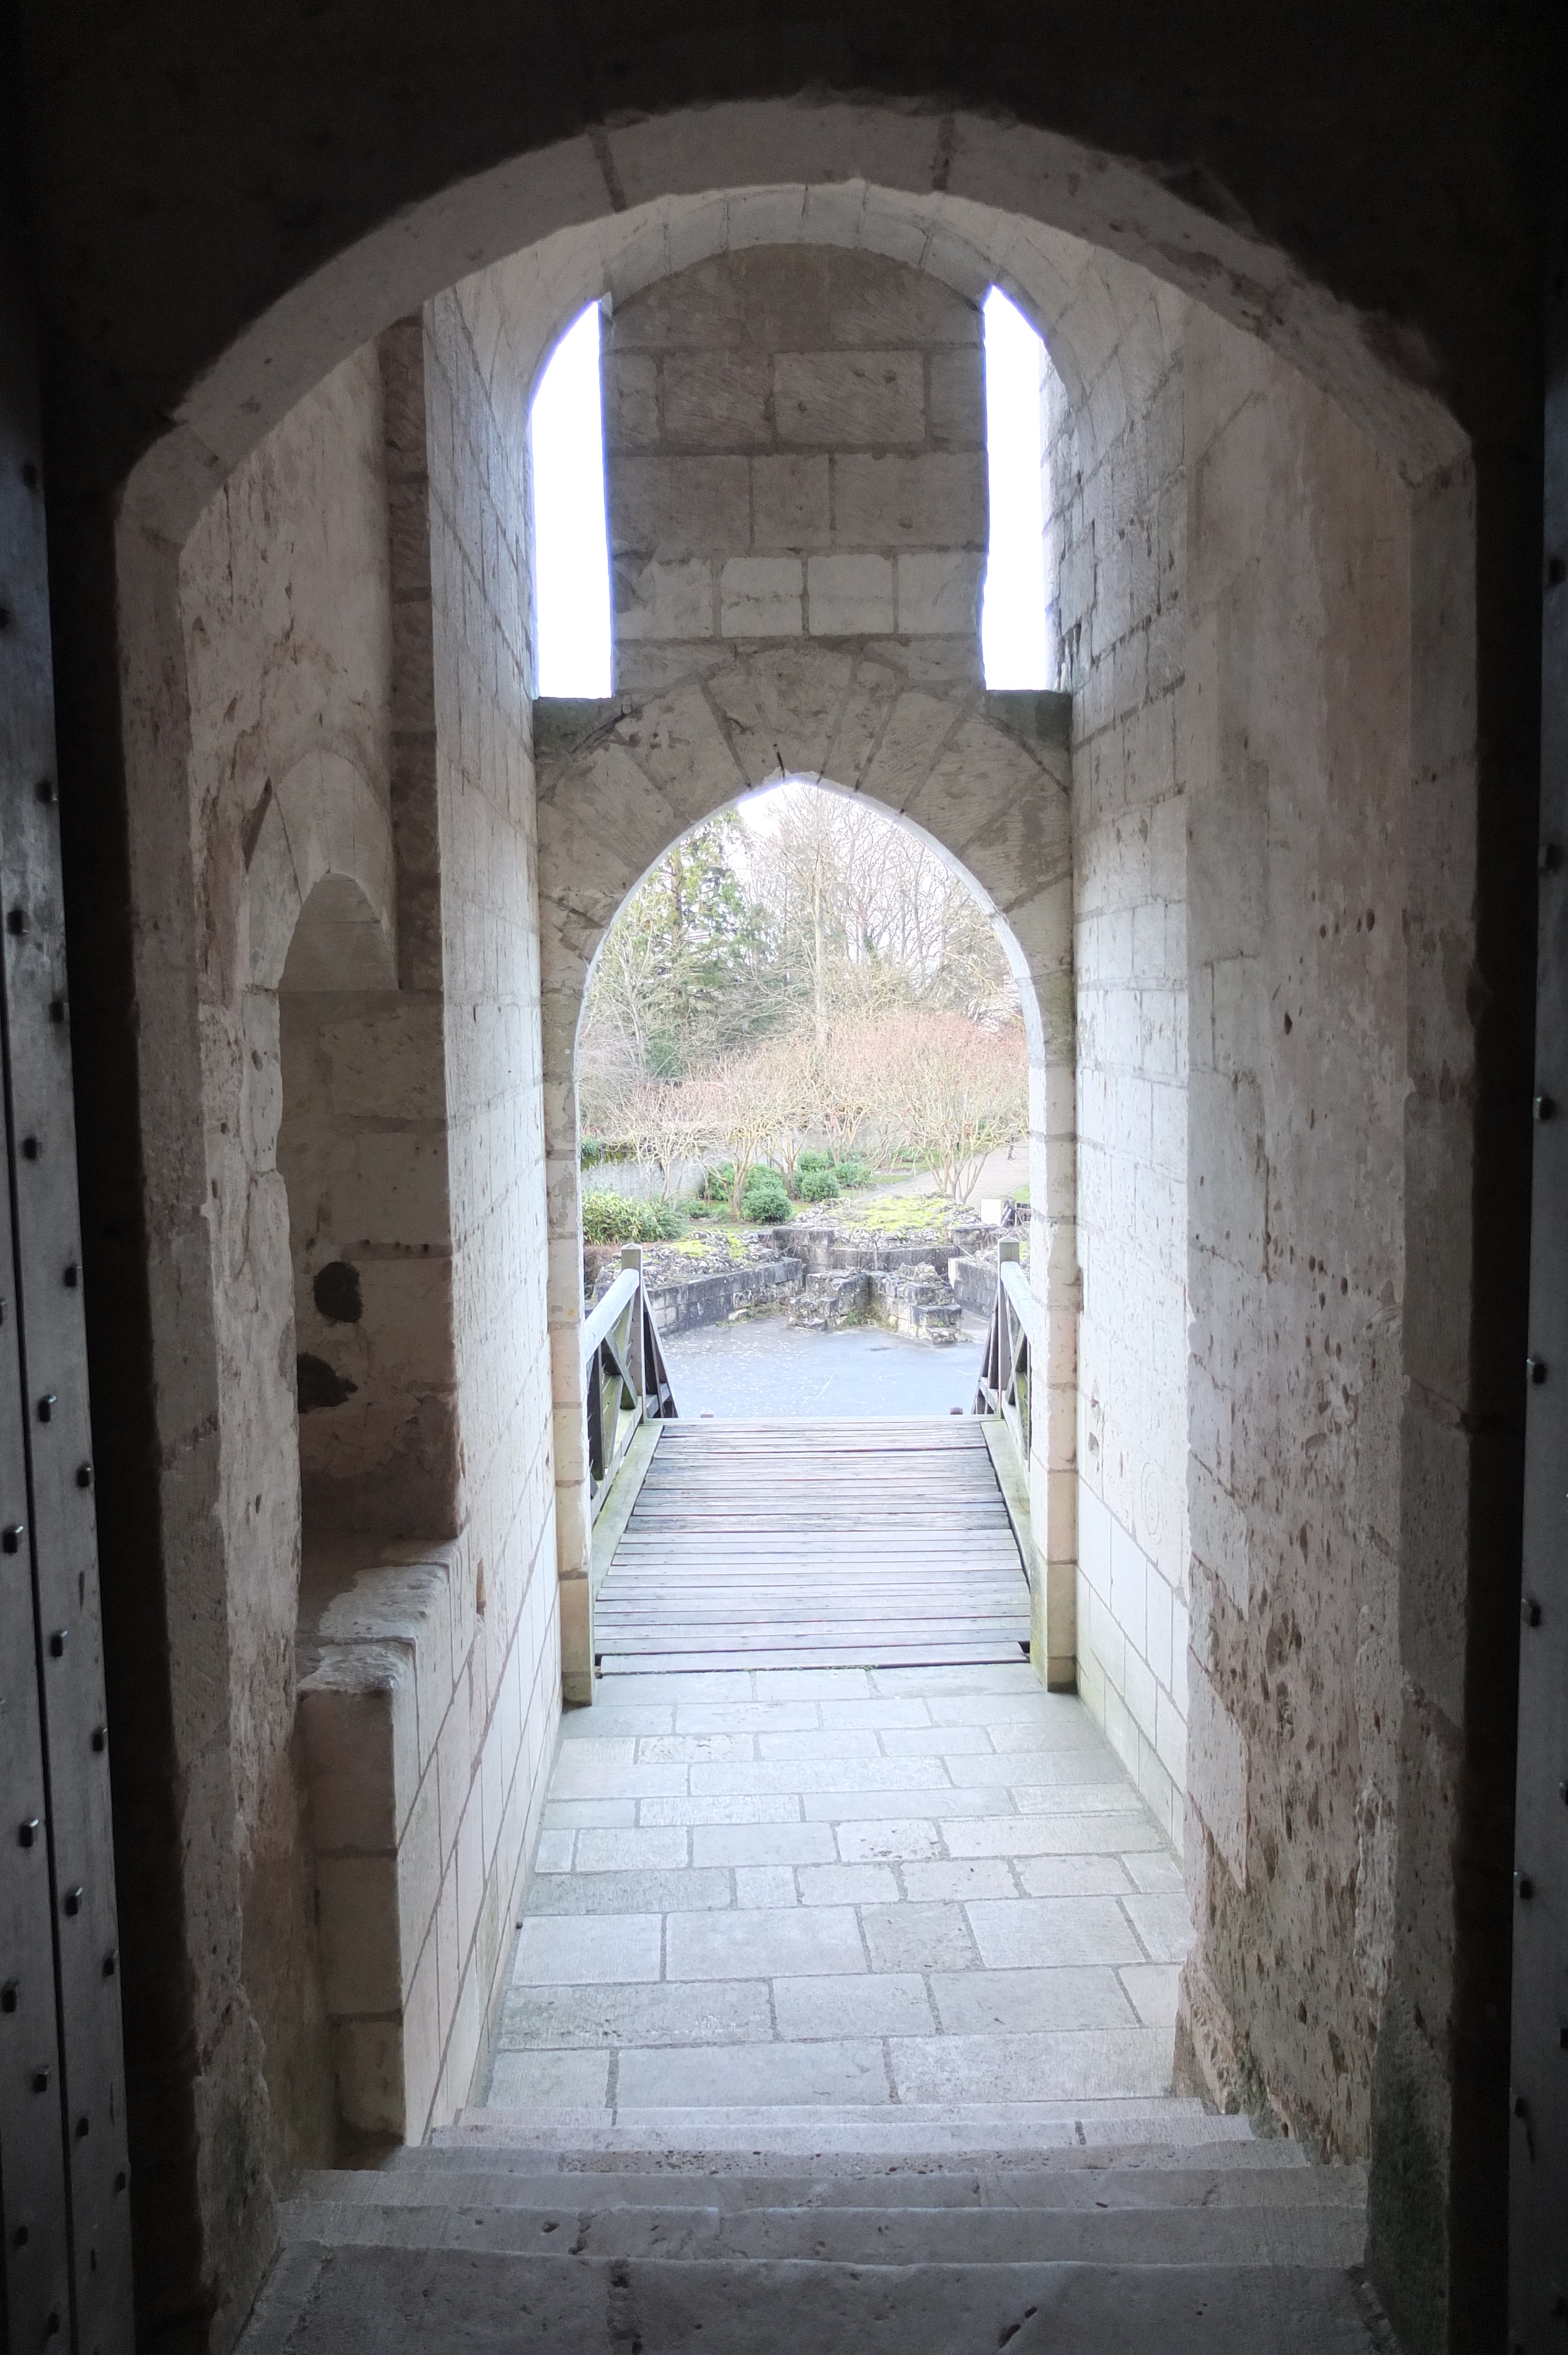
382, 2299
466, 2176
939, 2179
964, 2131
1315, 2219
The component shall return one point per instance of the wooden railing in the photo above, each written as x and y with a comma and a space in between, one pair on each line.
1005, 1368
623, 1374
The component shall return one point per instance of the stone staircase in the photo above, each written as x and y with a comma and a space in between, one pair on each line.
1108, 2228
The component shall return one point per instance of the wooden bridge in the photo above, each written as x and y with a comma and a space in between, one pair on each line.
794, 1545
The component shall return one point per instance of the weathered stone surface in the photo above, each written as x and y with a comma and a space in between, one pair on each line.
857, 447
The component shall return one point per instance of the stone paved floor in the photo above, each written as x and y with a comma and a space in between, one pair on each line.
916, 1885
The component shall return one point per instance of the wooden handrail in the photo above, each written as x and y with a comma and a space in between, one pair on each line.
1005, 1376
624, 1381
1016, 1285
604, 1312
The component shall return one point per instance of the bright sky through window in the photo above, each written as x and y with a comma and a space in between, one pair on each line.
571, 555
1012, 611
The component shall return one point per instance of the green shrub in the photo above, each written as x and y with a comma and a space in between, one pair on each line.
810, 1161
817, 1186
763, 1199
718, 1183
592, 1150
618, 1218
853, 1170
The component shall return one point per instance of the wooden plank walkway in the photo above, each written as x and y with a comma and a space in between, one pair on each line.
871, 1544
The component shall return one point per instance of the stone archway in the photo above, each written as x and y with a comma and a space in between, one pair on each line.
1109, 357
985, 777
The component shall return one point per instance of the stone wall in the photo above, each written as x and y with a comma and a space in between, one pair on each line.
504, 1604
284, 610
1118, 526
356, 619
795, 444
1296, 753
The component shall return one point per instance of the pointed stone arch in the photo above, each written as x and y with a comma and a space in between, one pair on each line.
984, 777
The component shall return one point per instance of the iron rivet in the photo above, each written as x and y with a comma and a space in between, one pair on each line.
1521, 2106
73, 1898
1544, 1108
1548, 858
1536, 1367
58, 1643
10, 1995
57, 1009
120, 2181
72, 1276
16, 921
1556, 571
1529, 1612
52, 2327
40, 2080
1526, 1886
30, 474
84, 1475
28, 1831
100, 1738
110, 1963
82, 2129
19, 2237
45, 789
11, 1538
47, 1406
31, 1149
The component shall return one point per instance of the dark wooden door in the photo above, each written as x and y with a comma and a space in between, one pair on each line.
65, 2235
1539, 2170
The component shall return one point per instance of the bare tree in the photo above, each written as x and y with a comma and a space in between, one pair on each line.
953, 1091
738, 1109
663, 1125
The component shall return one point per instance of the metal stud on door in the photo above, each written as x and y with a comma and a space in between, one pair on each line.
1538, 2186
65, 2240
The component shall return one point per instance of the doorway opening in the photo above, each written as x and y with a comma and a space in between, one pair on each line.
798, 529
802, 1051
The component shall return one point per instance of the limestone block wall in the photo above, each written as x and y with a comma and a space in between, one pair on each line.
795, 444
354, 611
504, 1602
384, 1712
285, 640
1117, 506
1297, 760
362, 1148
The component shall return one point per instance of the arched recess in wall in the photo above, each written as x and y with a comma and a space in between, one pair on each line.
983, 777
360, 1151
350, 1265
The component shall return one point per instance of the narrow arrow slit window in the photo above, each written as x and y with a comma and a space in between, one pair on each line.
1014, 635
571, 547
